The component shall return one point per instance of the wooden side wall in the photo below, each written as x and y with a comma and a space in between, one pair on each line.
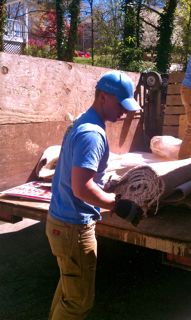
36, 96
174, 119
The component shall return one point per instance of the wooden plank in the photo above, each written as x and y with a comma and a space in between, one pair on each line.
171, 131
21, 146
38, 90
147, 241
176, 77
13, 211
173, 88
126, 134
21, 208
173, 100
172, 237
171, 120
177, 221
170, 110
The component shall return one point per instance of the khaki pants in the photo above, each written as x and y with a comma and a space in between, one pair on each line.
75, 247
185, 148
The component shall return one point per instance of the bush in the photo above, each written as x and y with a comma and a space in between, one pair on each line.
83, 60
141, 66
44, 52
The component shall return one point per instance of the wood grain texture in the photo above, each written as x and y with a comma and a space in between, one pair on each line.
165, 232
171, 131
173, 88
172, 119
173, 100
36, 96
36, 89
176, 77
21, 146
174, 108
169, 110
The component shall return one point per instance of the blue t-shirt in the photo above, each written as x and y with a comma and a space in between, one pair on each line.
187, 78
85, 146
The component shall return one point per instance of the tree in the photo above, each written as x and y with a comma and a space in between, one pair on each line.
164, 46
149, 17
107, 31
2, 21
184, 30
67, 14
131, 52
54, 29
74, 10
60, 34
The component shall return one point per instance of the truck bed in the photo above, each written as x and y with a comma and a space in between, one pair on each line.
168, 231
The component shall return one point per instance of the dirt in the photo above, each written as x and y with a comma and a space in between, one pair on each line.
131, 283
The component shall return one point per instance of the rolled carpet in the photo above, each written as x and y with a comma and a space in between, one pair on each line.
141, 185
149, 185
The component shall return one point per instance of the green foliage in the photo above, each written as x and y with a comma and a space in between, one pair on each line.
74, 10
106, 61
2, 21
184, 20
107, 55
130, 57
141, 66
118, 32
83, 60
164, 46
129, 30
131, 54
107, 35
60, 30
42, 52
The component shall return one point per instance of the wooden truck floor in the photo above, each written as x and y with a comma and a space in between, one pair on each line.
168, 231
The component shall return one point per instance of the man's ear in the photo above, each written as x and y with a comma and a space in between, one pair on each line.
102, 97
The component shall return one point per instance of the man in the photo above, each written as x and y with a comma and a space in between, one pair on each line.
185, 92
77, 195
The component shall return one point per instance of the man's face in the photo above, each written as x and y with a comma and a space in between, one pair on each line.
112, 109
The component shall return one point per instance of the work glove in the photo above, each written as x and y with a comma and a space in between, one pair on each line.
128, 210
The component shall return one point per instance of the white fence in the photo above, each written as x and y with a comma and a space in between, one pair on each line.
14, 31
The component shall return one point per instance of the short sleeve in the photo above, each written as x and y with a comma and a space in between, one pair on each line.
88, 150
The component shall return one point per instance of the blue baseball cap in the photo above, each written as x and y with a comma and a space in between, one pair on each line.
120, 85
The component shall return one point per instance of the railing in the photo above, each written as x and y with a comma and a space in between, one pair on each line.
14, 31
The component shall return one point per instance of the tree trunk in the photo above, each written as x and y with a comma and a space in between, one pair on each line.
2, 21
138, 30
60, 38
164, 46
74, 10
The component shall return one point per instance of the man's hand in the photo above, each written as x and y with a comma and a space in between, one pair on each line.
128, 210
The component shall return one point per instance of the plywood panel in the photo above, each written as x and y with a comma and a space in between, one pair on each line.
36, 89
36, 96
21, 146
126, 134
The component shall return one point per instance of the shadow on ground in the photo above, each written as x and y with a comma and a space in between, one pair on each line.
131, 282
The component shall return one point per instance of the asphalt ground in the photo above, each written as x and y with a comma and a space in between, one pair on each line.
131, 283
